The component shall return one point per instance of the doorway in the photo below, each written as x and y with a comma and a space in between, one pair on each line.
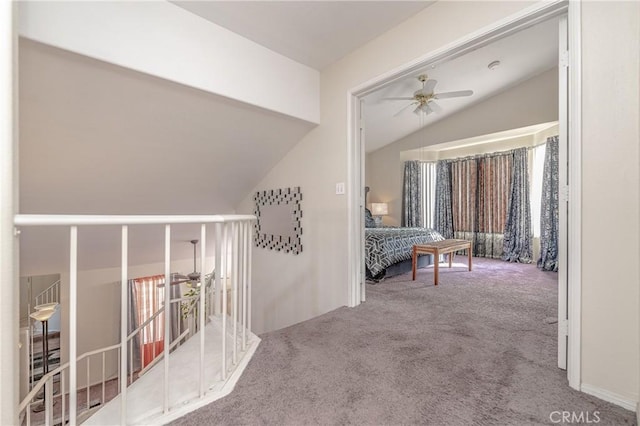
569, 289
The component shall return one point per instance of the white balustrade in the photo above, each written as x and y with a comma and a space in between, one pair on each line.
232, 241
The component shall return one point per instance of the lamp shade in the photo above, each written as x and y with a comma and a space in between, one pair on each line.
43, 315
46, 306
379, 209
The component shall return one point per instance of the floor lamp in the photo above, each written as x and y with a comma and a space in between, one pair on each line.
43, 313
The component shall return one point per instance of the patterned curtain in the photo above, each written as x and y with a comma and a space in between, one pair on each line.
412, 195
480, 193
443, 221
517, 230
494, 177
550, 207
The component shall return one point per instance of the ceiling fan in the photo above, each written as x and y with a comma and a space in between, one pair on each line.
192, 278
425, 98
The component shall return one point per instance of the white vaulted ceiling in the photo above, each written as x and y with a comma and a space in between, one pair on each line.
522, 56
314, 33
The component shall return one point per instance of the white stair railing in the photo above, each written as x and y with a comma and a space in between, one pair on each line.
232, 239
49, 295
60, 397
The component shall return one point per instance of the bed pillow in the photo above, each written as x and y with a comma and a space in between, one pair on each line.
369, 222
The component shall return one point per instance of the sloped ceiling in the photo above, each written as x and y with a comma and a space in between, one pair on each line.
96, 138
314, 33
522, 56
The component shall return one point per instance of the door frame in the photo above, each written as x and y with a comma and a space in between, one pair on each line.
356, 156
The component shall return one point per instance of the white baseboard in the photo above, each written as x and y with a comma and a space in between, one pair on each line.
610, 397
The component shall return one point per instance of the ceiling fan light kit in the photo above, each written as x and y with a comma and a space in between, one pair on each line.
424, 98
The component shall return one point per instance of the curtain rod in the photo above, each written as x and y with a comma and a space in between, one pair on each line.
496, 153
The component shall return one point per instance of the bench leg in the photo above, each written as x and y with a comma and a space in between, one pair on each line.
413, 264
451, 258
435, 267
469, 251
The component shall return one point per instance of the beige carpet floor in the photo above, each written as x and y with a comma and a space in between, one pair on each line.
478, 349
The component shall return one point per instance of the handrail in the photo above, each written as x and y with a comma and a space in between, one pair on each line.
161, 354
155, 315
40, 383
144, 324
79, 220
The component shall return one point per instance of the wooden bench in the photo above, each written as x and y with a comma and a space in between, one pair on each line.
437, 248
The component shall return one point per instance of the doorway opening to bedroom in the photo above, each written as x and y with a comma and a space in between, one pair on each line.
422, 121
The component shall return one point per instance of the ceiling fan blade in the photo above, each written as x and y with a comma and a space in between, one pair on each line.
418, 110
453, 94
429, 85
434, 107
172, 283
397, 99
403, 109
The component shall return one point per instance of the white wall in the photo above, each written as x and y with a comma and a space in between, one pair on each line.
610, 188
164, 40
531, 102
287, 288
290, 288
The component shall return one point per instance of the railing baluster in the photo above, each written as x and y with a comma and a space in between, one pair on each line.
249, 276
31, 380
224, 304
64, 399
234, 302
203, 292
104, 373
88, 381
167, 313
48, 398
218, 270
120, 371
245, 238
73, 324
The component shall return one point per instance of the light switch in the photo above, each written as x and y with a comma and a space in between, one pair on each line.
340, 188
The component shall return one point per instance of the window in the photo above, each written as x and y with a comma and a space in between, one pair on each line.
537, 171
428, 193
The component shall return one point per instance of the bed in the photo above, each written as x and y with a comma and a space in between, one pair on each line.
388, 250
